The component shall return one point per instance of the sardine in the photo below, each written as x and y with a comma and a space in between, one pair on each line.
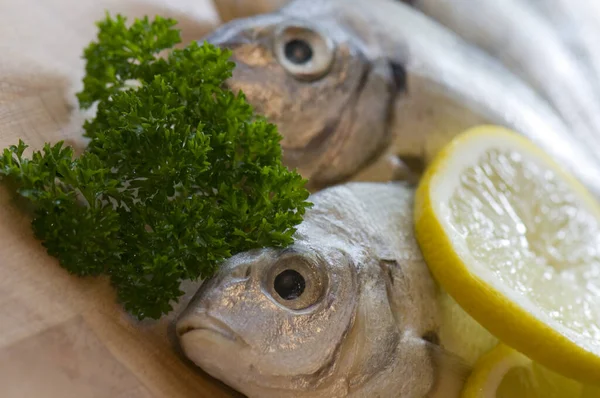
350, 309
513, 32
578, 22
356, 86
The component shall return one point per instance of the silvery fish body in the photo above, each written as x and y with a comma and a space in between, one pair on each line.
349, 310
371, 90
516, 34
577, 22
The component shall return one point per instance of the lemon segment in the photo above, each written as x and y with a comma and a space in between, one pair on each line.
515, 240
505, 373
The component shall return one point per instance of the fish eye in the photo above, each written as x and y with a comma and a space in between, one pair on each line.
303, 52
298, 51
295, 282
289, 284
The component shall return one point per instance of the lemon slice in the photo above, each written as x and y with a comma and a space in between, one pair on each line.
505, 373
515, 240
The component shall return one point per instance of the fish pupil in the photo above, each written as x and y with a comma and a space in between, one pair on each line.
298, 51
289, 284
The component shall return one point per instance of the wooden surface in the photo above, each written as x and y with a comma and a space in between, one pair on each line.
63, 336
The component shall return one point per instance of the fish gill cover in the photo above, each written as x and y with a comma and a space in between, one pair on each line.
178, 175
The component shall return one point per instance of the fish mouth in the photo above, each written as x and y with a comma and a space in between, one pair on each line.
205, 323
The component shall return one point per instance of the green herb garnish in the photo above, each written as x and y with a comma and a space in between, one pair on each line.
178, 175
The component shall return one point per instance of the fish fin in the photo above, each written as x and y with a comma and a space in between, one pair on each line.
451, 372
399, 76
403, 171
416, 164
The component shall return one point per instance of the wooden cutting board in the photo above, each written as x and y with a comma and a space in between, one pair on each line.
63, 336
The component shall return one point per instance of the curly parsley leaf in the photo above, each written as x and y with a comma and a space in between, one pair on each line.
179, 173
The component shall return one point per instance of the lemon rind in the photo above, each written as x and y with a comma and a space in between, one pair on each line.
490, 370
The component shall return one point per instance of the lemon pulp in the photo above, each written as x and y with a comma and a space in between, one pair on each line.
532, 234
516, 242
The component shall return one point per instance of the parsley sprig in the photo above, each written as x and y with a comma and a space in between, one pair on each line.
178, 175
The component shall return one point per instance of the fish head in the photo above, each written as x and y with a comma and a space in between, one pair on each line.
270, 321
309, 75
309, 322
